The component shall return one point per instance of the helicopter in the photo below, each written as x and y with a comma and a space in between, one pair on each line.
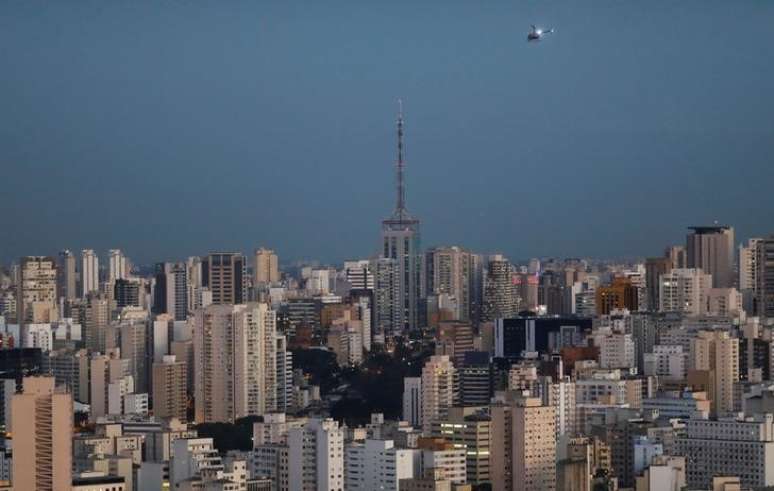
536, 34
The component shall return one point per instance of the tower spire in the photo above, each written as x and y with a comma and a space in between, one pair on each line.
400, 206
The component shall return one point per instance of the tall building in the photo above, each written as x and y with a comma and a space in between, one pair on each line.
717, 353
359, 275
654, 268
449, 272
388, 310
523, 445
170, 291
621, 294
235, 362
401, 243
266, 267
96, 320
765, 264
133, 335
748, 265
684, 290
677, 256
712, 250
438, 391
67, 280
469, 429
110, 379
36, 297
225, 277
169, 388
128, 293
89, 272
118, 266
499, 297
316, 456
412, 400
41, 422
284, 394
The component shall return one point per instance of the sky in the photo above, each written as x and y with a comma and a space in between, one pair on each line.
173, 128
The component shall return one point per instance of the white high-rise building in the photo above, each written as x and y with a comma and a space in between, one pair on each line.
561, 395
191, 457
118, 266
89, 272
39, 336
617, 351
667, 361
377, 464
449, 272
401, 243
437, 390
359, 274
684, 290
235, 366
316, 456
387, 304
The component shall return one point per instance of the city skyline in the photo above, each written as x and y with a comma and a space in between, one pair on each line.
270, 126
408, 246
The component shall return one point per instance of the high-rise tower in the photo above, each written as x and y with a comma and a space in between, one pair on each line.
401, 244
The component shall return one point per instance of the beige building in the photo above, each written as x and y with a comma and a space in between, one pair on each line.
468, 429
437, 390
450, 272
718, 353
432, 480
234, 361
42, 426
169, 388
523, 444
724, 302
96, 324
266, 267
584, 457
684, 290
712, 250
106, 372
36, 297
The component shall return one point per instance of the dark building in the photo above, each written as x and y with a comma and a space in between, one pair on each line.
654, 268
303, 312
170, 293
535, 334
621, 294
754, 353
20, 362
126, 293
475, 379
225, 273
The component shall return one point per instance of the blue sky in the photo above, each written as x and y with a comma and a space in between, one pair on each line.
173, 128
